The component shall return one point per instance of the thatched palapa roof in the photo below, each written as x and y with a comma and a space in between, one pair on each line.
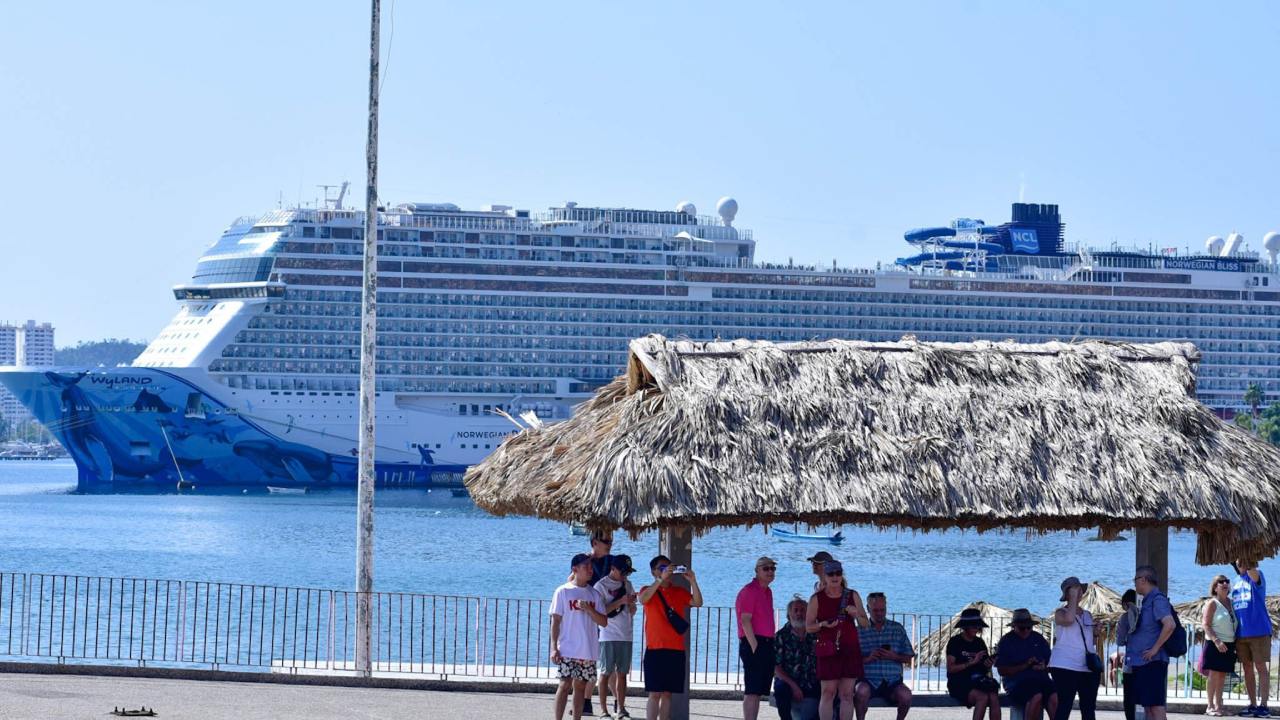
898, 434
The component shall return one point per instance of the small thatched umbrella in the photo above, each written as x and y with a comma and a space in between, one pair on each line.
1192, 615
1100, 600
933, 647
908, 434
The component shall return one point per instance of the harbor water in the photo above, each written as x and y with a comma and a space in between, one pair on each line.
432, 542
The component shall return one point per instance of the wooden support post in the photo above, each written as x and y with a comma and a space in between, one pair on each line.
1152, 548
677, 544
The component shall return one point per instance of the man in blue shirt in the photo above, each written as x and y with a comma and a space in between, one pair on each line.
1145, 649
1253, 638
885, 649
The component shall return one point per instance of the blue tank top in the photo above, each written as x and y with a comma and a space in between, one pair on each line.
1250, 601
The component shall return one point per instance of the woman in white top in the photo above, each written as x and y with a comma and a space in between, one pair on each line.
1219, 641
1069, 663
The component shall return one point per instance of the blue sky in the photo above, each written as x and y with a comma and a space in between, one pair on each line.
133, 133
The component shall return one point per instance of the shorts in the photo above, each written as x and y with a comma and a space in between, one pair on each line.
615, 656
884, 690
575, 669
1150, 683
841, 666
664, 671
1021, 690
1223, 662
1254, 649
757, 667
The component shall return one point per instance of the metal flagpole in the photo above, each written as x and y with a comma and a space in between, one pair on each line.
368, 330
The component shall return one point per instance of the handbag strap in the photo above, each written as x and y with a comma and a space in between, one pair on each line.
662, 599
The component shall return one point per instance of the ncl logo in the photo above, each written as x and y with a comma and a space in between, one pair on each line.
1024, 240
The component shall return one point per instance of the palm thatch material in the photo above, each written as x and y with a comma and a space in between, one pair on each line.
933, 647
908, 434
1191, 613
1100, 600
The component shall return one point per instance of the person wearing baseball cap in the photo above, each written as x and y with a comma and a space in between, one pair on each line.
835, 612
616, 639
754, 608
817, 560
577, 613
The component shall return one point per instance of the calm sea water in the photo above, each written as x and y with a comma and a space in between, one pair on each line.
435, 543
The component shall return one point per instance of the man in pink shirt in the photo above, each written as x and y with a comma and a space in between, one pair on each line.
754, 608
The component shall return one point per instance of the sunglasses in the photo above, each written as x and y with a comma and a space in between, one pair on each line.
663, 568
770, 568
835, 573
1223, 582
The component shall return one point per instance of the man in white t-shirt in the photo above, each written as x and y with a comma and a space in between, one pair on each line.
616, 637
577, 613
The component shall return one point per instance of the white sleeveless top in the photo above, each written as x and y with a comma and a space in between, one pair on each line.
1070, 647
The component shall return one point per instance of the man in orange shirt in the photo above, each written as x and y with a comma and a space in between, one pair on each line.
666, 606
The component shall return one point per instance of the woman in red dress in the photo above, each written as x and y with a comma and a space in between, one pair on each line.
834, 613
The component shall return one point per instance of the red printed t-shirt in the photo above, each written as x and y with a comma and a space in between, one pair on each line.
658, 633
756, 599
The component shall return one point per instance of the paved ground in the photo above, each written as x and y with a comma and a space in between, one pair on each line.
32, 697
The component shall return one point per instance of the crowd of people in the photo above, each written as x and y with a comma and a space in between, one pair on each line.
835, 652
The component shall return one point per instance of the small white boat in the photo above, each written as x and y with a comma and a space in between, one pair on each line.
578, 531
286, 490
834, 538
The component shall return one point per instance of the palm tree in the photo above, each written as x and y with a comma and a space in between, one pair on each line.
1253, 397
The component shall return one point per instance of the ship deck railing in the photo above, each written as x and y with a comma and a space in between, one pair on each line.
239, 627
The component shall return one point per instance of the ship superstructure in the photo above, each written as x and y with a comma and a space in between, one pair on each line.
499, 311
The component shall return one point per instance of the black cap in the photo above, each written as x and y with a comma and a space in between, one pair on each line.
821, 556
623, 563
579, 559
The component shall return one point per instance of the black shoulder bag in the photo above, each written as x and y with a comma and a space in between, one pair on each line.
679, 624
1092, 660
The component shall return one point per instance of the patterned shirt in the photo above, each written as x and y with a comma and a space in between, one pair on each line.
892, 634
798, 658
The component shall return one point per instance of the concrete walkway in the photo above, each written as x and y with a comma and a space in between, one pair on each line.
33, 696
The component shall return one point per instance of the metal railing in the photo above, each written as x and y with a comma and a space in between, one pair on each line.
265, 628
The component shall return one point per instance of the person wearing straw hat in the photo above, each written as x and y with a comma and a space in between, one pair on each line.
1022, 657
969, 680
754, 608
1075, 664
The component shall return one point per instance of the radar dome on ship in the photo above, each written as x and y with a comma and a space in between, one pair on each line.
687, 208
1271, 243
1214, 244
728, 209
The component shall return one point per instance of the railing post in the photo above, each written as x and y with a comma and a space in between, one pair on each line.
180, 637
329, 650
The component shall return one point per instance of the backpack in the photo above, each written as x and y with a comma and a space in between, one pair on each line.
1176, 645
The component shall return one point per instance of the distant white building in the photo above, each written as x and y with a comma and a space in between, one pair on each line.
23, 345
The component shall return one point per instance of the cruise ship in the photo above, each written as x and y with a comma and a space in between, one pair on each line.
489, 316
